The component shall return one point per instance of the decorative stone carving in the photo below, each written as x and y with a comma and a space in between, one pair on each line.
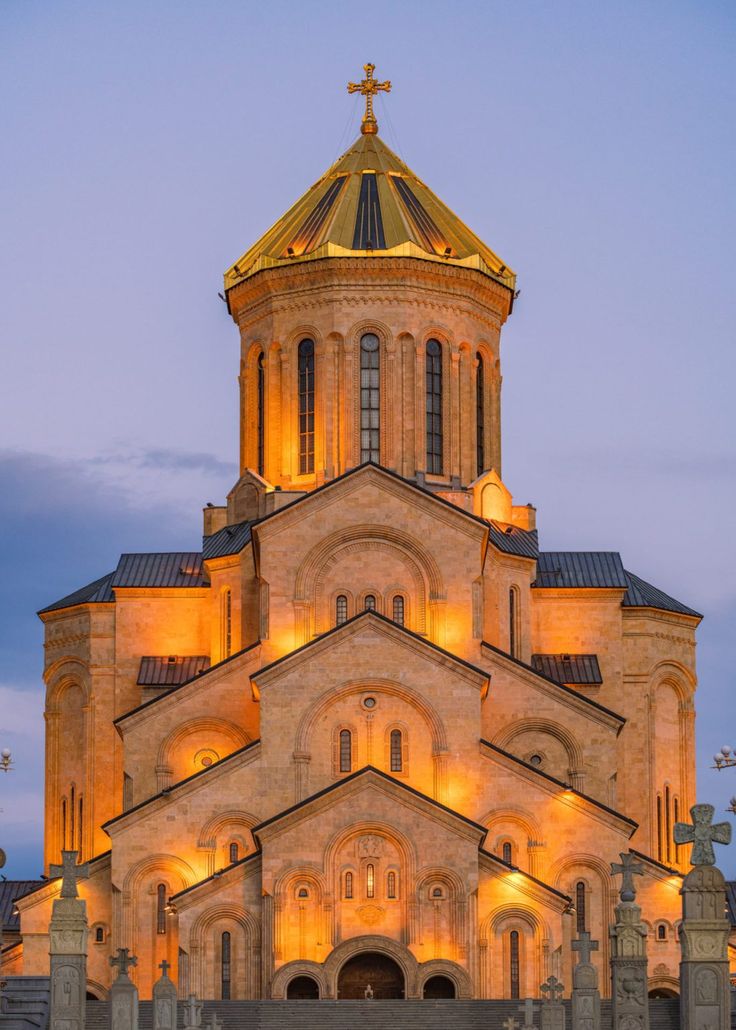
552, 1016
192, 1013
629, 994
586, 999
164, 1000
68, 948
123, 993
370, 846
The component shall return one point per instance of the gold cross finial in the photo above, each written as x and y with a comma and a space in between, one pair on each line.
369, 87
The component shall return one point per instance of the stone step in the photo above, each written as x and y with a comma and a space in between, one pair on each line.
25, 1003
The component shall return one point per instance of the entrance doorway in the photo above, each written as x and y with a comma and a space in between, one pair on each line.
439, 987
370, 969
302, 988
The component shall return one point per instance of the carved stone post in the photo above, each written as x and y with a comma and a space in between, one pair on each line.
192, 1013
528, 1008
164, 1000
123, 993
629, 994
552, 1015
68, 948
704, 984
586, 998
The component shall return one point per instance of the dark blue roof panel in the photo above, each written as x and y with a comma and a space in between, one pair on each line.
98, 592
569, 668
163, 569
592, 569
641, 594
513, 539
170, 670
228, 540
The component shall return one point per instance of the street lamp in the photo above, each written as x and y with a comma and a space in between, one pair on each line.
725, 758
6, 760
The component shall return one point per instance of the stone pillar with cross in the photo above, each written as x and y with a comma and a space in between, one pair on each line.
629, 993
68, 947
528, 1008
704, 982
586, 998
552, 1015
164, 1000
123, 997
192, 1013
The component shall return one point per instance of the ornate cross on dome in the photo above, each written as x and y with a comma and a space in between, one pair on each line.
70, 873
369, 87
584, 945
629, 868
703, 834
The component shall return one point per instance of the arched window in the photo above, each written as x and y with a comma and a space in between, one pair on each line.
480, 415
507, 852
661, 932
391, 885
79, 827
226, 966
99, 935
437, 893
161, 908
514, 963
434, 407
341, 609
397, 758
72, 815
346, 751
63, 823
234, 851
370, 881
370, 399
302, 892
306, 407
667, 823
370, 602
580, 901
513, 623
348, 885
676, 819
226, 623
399, 609
660, 849
261, 412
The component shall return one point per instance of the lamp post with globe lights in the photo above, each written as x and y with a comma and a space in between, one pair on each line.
726, 759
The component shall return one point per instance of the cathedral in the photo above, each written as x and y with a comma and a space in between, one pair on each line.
371, 732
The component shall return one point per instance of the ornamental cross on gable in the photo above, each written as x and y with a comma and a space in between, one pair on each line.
629, 868
369, 87
70, 872
703, 834
584, 945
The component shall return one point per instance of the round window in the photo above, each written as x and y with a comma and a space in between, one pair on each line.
369, 702
536, 760
206, 761
369, 342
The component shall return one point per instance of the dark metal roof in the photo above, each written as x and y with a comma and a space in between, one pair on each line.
228, 540
514, 540
568, 668
165, 569
594, 569
731, 901
98, 592
170, 670
9, 891
641, 594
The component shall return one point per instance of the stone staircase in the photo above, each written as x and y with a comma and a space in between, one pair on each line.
372, 1015
25, 1003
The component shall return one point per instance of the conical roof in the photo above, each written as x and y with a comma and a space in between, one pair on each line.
369, 204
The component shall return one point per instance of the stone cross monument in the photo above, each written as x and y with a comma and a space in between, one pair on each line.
552, 1016
123, 993
629, 994
68, 947
528, 1008
192, 1013
164, 1000
586, 998
704, 988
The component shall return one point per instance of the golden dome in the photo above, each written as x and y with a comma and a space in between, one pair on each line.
369, 204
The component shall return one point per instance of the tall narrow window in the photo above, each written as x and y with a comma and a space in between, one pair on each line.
63, 823
227, 623
397, 761
660, 850
480, 416
507, 852
226, 966
399, 609
261, 412
391, 885
513, 624
161, 908
348, 885
580, 913
667, 822
676, 819
370, 602
79, 826
72, 817
370, 881
434, 407
341, 609
306, 407
234, 852
370, 399
346, 750
514, 963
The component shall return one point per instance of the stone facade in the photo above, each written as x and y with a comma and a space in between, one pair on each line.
372, 763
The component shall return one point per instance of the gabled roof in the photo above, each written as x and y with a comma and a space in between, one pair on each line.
641, 594
592, 569
218, 873
369, 204
228, 540
98, 592
160, 569
170, 670
10, 891
731, 902
568, 668
514, 539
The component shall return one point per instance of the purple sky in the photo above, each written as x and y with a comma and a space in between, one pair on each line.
146, 145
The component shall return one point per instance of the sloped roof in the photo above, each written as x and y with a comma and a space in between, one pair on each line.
731, 901
641, 594
514, 539
160, 569
170, 670
369, 204
568, 668
10, 890
595, 569
98, 592
228, 540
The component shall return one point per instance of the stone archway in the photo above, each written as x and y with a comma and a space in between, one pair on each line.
371, 969
302, 988
439, 987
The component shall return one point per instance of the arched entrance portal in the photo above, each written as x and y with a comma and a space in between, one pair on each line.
370, 969
439, 987
302, 988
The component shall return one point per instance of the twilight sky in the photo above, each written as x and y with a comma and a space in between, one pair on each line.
146, 144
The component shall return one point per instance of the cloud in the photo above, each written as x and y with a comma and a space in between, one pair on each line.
169, 460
